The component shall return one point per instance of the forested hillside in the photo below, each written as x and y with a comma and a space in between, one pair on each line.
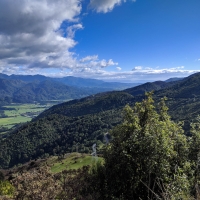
17, 91
47, 90
183, 98
85, 121
105, 101
91, 105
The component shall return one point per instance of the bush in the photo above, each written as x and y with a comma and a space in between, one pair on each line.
147, 158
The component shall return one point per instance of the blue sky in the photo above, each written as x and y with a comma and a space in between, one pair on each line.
111, 40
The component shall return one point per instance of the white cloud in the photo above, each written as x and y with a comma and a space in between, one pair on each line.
119, 68
103, 63
72, 29
181, 67
137, 68
30, 35
148, 68
94, 70
89, 58
105, 5
31, 40
36, 17
142, 75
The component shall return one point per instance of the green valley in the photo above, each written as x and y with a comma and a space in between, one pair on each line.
14, 114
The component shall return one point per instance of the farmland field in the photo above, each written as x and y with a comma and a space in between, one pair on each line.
14, 113
20, 113
23, 108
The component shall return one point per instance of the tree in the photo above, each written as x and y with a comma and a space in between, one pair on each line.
194, 156
147, 157
6, 189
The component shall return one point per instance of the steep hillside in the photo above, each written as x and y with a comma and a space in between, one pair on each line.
186, 88
105, 101
7, 88
47, 90
56, 134
10, 86
183, 98
90, 105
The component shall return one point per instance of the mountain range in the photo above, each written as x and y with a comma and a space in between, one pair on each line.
83, 122
28, 89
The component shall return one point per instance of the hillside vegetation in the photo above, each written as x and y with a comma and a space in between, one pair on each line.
85, 121
18, 91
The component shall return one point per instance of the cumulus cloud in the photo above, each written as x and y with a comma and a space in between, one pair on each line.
30, 35
36, 17
32, 41
105, 5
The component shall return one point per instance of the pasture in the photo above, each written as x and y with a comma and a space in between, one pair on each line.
20, 113
73, 161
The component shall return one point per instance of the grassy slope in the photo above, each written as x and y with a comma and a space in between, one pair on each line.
72, 161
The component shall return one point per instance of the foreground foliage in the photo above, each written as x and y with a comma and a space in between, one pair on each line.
6, 188
149, 157
36, 184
